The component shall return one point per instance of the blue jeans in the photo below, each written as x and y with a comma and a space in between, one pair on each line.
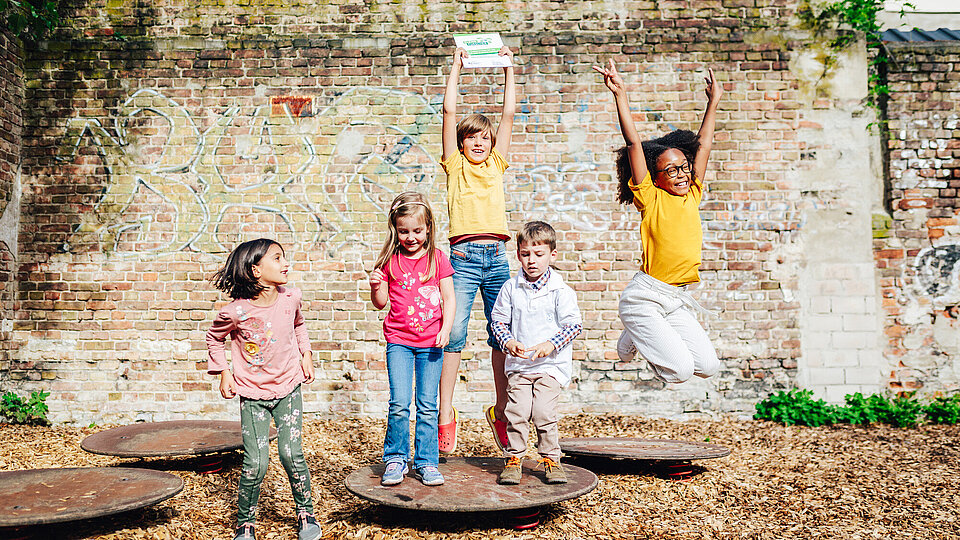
482, 266
403, 362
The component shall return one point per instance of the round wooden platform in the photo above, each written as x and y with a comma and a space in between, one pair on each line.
174, 438
42, 496
643, 449
471, 486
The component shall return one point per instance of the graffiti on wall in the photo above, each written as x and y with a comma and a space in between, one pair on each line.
306, 176
173, 186
938, 273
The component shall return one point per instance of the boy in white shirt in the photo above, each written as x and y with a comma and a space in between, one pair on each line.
535, 319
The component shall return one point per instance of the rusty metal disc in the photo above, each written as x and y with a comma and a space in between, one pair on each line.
175, 438
471, 486
634, 448
41, 496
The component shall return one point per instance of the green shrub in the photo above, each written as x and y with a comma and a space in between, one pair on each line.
18, 411
796, 407
943, 410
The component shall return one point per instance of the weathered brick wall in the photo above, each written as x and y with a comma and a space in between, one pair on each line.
158, 137
11, 132
918, 250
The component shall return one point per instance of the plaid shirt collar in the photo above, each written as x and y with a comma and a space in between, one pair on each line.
539, 283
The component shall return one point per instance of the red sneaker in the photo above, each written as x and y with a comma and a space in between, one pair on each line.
499, 428
447, 433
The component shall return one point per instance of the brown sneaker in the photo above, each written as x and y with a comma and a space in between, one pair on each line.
512, 472
555, 474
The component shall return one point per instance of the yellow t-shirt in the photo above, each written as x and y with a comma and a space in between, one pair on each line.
475, 200
670, 231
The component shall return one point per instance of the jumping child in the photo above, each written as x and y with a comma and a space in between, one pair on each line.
415, 279
271, 358
655, 308
474, 160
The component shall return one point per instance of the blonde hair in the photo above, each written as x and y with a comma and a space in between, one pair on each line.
408, 203
537, 233
475, 123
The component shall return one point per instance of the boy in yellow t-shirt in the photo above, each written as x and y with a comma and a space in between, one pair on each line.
474, 160
663, 178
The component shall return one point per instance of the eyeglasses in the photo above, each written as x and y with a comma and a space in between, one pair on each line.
673, 171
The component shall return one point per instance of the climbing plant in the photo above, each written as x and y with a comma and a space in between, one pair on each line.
846, 20
29, 19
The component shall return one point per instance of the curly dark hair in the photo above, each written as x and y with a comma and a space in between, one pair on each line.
682, 139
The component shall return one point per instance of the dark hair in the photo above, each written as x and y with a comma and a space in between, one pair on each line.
536, 233
682, 139
236, 277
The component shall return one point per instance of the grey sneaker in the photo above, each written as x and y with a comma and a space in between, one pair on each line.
394, 472
245, 532
512, 472
626, 350
430, 476
307, 527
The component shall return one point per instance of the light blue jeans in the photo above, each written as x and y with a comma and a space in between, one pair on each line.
476, 266
404, 364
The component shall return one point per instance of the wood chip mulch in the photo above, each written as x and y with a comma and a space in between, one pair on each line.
845, 482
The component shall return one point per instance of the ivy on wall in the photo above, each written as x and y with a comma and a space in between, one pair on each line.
846, 20
29, 19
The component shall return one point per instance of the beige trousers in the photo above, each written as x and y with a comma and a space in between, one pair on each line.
532, 397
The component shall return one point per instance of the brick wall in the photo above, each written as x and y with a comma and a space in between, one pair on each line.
918, 250
11, 132
159, 137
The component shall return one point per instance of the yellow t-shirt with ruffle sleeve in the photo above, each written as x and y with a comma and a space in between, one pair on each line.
670, 231
475, 200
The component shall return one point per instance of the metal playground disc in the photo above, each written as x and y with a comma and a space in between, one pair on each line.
175, 438
471, 486
644, 449
42, 496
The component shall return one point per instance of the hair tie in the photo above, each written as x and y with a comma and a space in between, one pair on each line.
399, 204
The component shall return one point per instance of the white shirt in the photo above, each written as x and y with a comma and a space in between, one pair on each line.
534, 317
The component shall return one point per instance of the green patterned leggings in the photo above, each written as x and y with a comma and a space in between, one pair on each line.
255, 414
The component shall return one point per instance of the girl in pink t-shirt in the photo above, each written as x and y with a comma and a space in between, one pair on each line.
271, 357
415, 278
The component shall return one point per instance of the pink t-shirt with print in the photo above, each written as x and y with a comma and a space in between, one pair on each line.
266, 345
415, 315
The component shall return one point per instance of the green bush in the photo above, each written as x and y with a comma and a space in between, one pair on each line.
18, 411
797, 407
943, 410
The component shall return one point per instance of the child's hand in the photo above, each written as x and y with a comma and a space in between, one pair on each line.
377, 277
505, 51
307, 365
458, 56
611, 77
541, 350
515, 348
714, 89
443, 338
228, 386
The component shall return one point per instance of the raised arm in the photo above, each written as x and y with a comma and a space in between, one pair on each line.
505, 128
613, 81
713, 91
449, 133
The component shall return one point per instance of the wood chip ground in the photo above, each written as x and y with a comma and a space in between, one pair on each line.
849, 482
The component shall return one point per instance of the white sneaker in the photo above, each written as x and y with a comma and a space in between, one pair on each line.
626, 350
